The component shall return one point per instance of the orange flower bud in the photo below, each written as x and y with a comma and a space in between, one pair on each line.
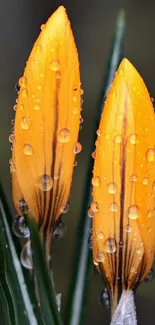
47, 123
124, 184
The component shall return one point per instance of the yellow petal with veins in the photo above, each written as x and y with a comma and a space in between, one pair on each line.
125, 191
47, 122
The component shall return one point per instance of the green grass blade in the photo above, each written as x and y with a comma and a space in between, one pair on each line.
12, 279
77, 295
47, 296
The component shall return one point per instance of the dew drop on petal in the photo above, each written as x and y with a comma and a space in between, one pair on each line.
20, 227
150, 155
76, 110
94, 154
26, 256
64, 135
128, 228
25, 123
81, 120
54, 65
133, 138
64, 208
58, 75
24, 93
133, 178
12, 166
100, 257
28, 150
112, 188
56, 176
45, 183
77, 148
96, 181
15, 107
113, 207
145, 181
149, 214
118, 139
110, 245
91, 213
22, 82
75, 163
12, 138
94, 206
139, 251
100, 235
133, 212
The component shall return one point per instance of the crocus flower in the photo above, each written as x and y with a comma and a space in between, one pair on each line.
47, 125
124, 185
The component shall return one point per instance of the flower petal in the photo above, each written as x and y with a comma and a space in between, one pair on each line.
47, 121
124, 175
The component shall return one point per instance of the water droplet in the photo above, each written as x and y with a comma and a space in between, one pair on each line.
128, 228
81, 91
25, 123
64, 135
12, 166
24, 93
98, 132
110, 245
26, 256
139, 251
90, 242
145, 181
76, 110
94, 154
56, 176
96, 181
104, 298
14, 107
28, 150
133, 212
100, 257
133, 178
94, 206
118, 139
64, 208
36, 107
17, 87
54, 65
149, 214
77, 148
81, 120
107, 136
20, 227
75, 163
100, 235
133, 138
150, 155
43, 26
59, 229
11, 138
95, 263
113, 207
74, 98
91, 213
22, 82
132, 269
45, 183
112, 188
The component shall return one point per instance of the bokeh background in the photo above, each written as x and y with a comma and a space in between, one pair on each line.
93, 25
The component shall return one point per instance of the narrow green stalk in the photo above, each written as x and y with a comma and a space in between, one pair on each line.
44, 281
83, 256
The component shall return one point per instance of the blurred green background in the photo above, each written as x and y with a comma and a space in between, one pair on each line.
93, 25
